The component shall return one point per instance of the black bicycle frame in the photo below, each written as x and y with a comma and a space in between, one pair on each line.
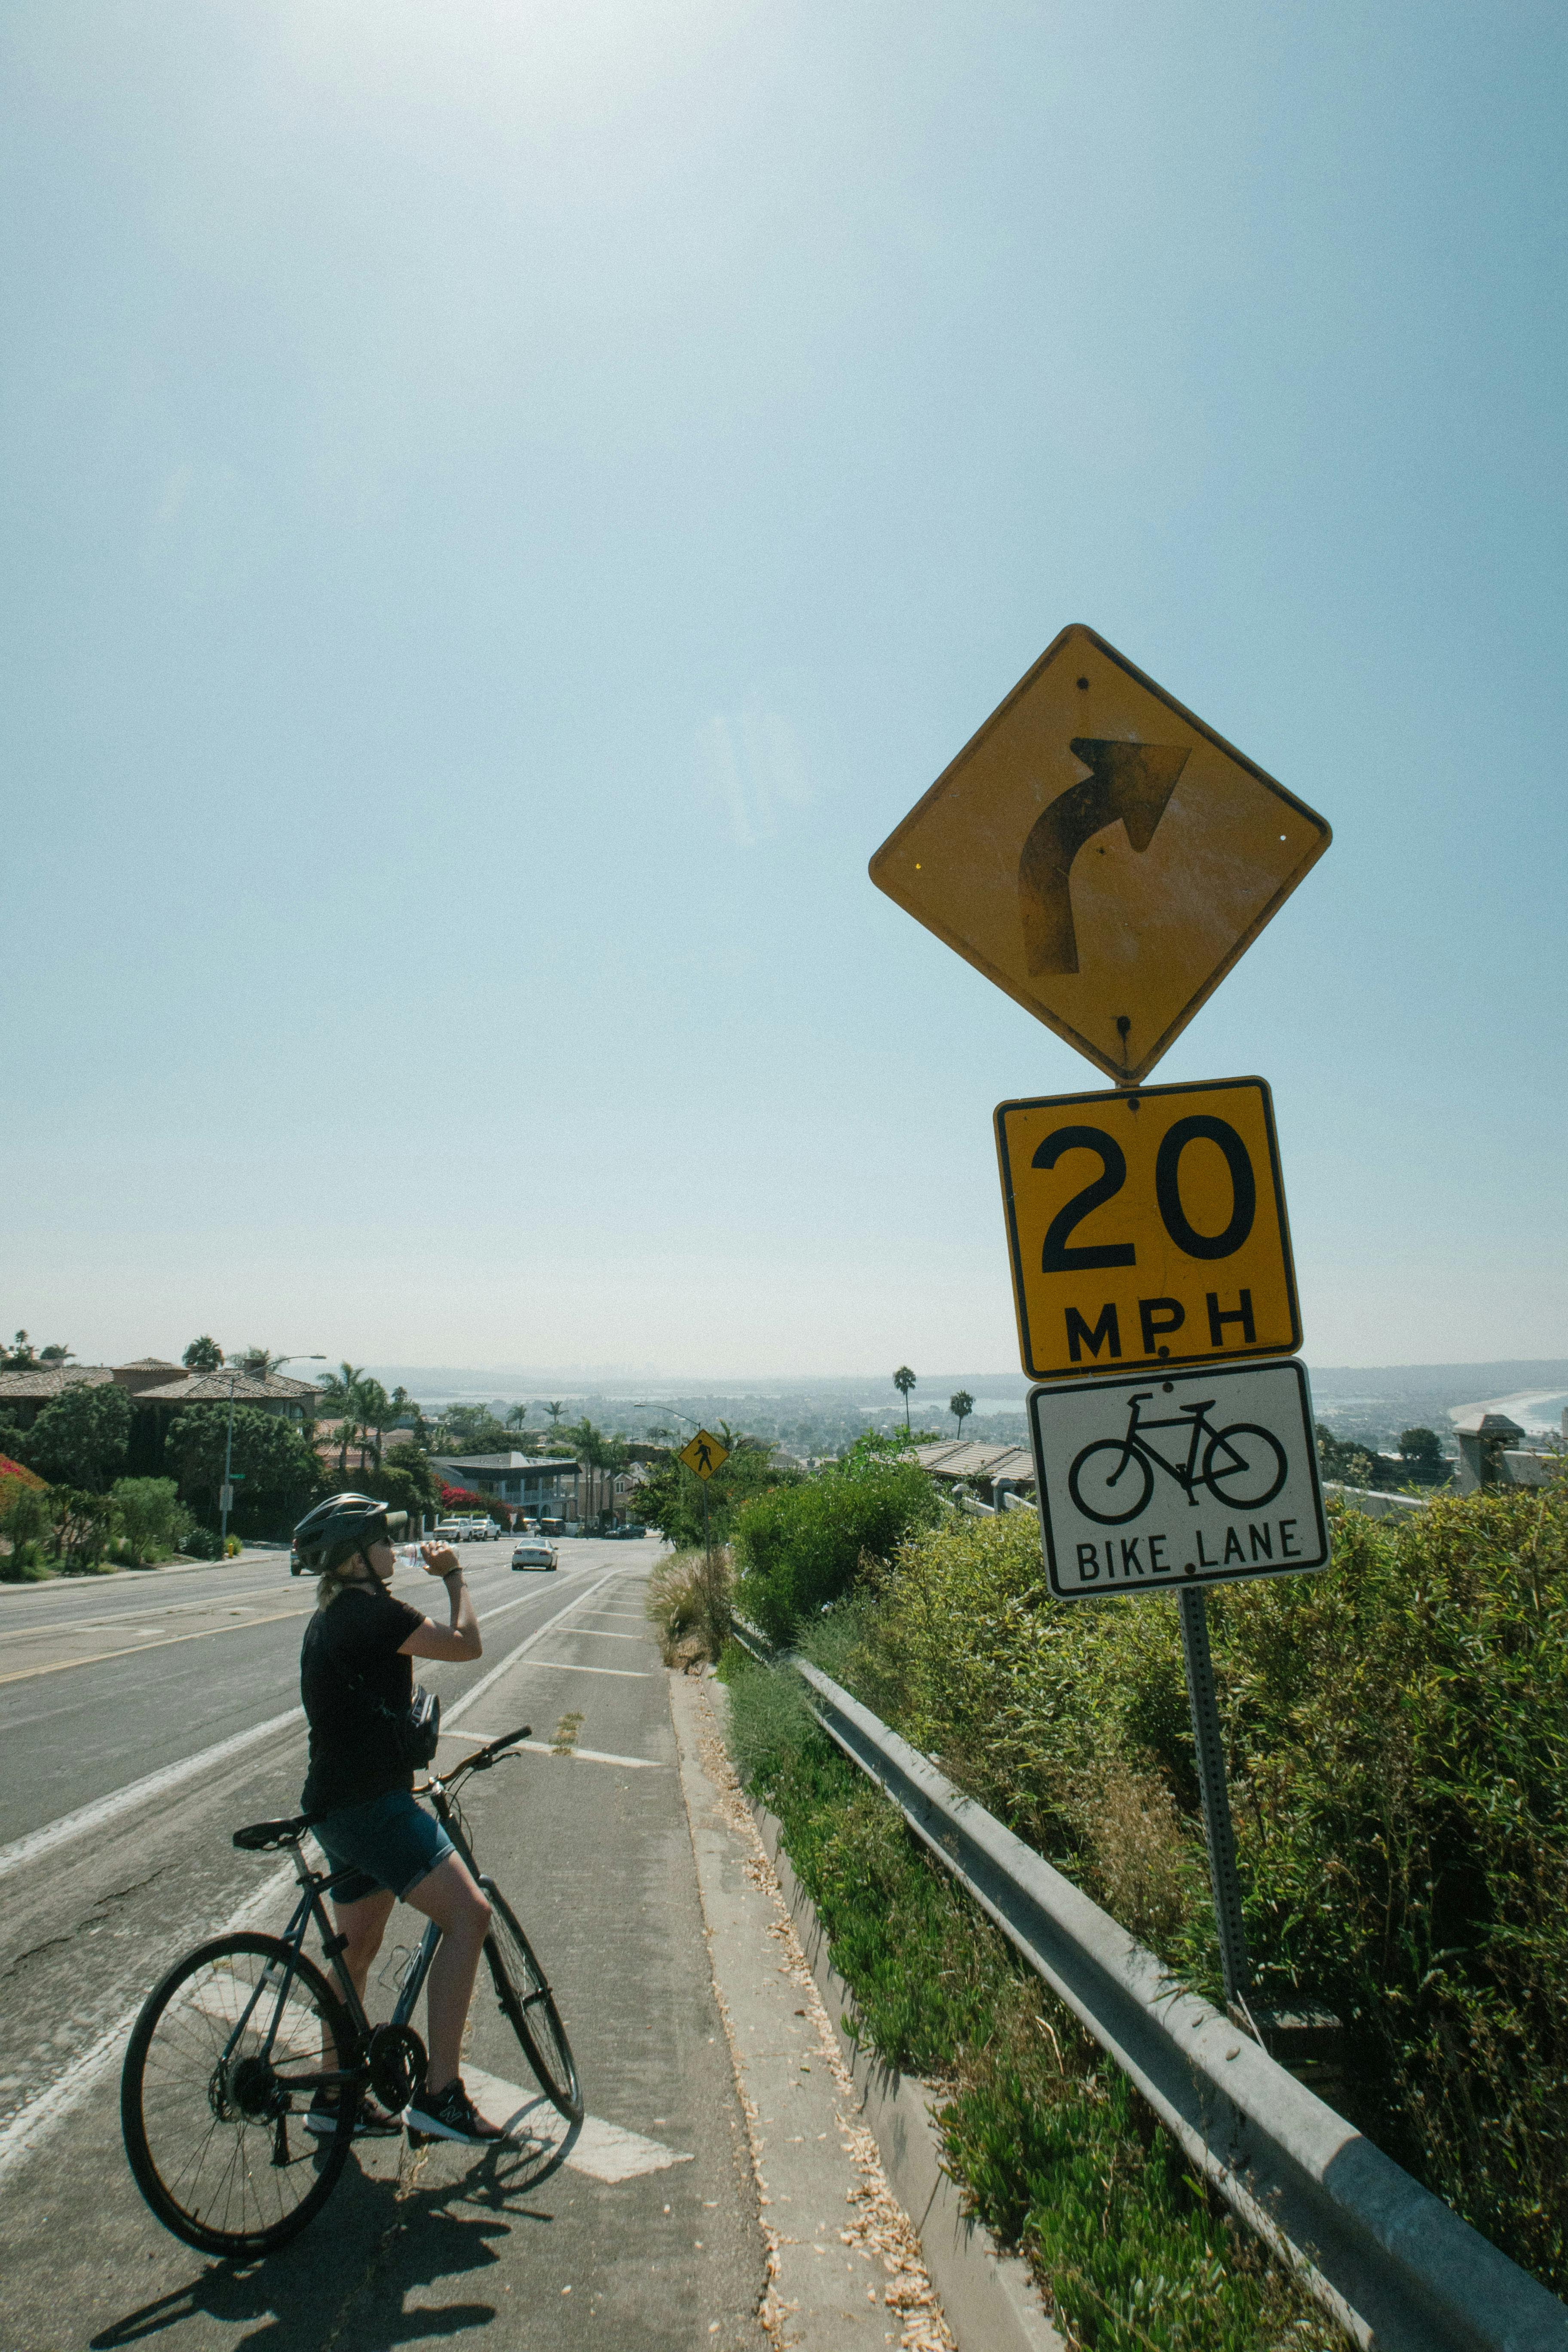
314, 1884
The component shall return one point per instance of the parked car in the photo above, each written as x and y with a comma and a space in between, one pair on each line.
534, 1551
451, 1531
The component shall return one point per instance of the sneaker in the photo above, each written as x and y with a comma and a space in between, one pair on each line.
450, 2115
372, 2122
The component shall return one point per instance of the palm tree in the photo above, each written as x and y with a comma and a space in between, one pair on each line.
258, 1362
555, 1412
962, 1405
374, 1407
340, 1397
202, 1355
904, 1380
517, 1416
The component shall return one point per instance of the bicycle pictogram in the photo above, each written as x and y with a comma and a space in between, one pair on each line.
1244, 1466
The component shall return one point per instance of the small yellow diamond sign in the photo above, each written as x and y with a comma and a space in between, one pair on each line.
1101, 854
705, 1454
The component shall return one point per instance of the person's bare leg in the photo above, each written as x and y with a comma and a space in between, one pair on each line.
449, 1896
364, 1925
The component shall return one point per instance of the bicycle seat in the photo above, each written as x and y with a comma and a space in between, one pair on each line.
265, 1837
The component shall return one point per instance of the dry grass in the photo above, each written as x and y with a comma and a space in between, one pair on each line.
689, 1600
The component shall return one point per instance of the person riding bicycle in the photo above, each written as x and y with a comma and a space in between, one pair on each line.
356, 1678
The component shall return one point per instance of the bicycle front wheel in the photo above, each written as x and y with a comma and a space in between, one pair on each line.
219, 2074
1095, 1482
528, 2006
1244, 1465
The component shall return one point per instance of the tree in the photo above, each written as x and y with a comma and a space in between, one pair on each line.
340, 1402
904, 1380
202, 1355
1421, 1446
79, 1440
960, 1406
258, 1362
517, 1416
56, 1354
374, 1412
149, 1518
671, 1497
280, 1473
554, 1410
19, 1356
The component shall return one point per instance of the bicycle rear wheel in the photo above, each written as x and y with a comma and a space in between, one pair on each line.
214, 2122
528, 2006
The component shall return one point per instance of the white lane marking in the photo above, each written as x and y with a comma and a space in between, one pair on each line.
166, 1642
589, 1754
136, 1792
570, 1667
21, 2137
604, 2151
495, 1674
592, 1633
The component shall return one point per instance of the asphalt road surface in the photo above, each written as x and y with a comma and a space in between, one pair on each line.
142, 1720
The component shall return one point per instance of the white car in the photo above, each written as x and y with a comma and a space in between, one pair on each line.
534, 1551
451, 1531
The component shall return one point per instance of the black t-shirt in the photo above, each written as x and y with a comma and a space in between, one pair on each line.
353, 1754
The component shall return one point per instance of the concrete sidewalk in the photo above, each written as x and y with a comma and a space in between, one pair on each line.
846, 2273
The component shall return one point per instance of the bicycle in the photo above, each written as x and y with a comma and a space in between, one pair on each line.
1224, 1460
233, 2044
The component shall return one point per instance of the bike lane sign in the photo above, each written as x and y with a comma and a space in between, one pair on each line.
1148, 1484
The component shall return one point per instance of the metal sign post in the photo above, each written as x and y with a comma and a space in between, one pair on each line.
704, 1455
1218, 1834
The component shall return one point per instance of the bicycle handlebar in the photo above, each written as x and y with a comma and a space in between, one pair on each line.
479, 1762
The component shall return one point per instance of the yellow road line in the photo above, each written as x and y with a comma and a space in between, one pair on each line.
138, 1649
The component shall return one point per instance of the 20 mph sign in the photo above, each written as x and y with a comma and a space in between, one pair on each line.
1197, 1478
1147, 1225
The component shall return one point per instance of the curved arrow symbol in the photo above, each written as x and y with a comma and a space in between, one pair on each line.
1129, 782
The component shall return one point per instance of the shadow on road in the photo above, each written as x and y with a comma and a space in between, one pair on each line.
346, 2281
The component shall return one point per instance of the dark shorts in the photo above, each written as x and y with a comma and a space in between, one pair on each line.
390, 1843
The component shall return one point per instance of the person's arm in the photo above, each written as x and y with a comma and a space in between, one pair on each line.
461, 1638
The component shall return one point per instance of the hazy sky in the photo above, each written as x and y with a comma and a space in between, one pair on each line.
506, 506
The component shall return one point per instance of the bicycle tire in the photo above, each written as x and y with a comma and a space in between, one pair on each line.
1212, 1477
179, 2109
1127, 1454
528, 2006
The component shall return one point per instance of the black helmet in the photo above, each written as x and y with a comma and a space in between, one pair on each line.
336, 1529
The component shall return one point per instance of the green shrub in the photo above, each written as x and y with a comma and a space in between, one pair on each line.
26, 1519
149, 1518
801, 1548
1051, 2145
1397, 1735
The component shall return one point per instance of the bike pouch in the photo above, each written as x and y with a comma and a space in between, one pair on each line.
415, 1728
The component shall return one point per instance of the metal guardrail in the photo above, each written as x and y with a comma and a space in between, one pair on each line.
1394, 2265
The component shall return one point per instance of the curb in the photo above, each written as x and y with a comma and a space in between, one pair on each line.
990, 2298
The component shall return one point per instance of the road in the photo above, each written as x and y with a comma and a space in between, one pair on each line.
141, 1721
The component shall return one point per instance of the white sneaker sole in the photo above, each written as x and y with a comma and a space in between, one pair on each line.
423, 2126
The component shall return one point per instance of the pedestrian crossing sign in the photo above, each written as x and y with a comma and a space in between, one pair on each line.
705, 1454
